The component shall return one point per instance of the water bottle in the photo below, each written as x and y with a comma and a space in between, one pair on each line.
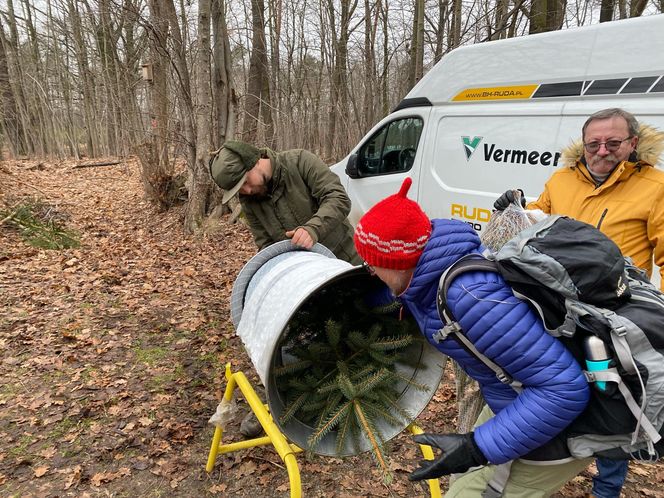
597, 357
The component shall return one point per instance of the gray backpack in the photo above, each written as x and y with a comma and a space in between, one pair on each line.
608, 315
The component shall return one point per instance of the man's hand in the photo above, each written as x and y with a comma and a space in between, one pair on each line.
459, 453
300, 237
508, 198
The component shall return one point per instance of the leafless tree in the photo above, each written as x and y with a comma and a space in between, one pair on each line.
12, 124
304, 73
258, 102
546, 15
201, 183
224, 100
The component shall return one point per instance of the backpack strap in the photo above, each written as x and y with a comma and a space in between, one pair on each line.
618, 330
469, 262
623, 351
451, 328
496, 486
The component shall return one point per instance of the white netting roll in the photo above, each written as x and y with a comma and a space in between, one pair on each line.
506, 224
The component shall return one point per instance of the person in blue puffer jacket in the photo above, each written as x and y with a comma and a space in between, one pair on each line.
409, 253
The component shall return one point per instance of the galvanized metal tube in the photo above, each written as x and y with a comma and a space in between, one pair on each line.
270, 289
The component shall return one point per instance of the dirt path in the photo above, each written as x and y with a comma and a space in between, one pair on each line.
112, 357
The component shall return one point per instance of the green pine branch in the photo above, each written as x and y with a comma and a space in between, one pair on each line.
391, 343
293, 408
291, 368
335, 418
344, 369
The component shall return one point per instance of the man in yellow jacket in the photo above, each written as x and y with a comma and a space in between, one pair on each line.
609, 180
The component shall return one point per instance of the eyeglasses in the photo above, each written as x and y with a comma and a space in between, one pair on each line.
370, 270
611, 145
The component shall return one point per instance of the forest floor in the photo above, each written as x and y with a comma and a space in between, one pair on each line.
112, 357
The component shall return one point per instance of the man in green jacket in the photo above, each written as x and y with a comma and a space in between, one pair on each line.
286, 195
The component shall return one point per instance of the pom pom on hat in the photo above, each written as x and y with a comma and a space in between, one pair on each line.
393, 233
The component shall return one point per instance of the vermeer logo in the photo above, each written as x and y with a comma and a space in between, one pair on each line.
493, 153
470, 145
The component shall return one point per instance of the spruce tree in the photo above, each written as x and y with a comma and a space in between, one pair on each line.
339, 368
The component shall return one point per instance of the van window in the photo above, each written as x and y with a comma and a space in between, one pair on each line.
391, 149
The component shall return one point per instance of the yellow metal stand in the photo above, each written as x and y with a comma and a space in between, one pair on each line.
275, 438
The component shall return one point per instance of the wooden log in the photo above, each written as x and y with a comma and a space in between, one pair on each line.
94, 165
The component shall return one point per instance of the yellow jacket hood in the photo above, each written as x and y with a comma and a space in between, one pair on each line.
648, 150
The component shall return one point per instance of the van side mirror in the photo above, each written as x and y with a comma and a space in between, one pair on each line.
351, 167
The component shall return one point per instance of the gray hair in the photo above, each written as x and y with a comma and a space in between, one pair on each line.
632, 123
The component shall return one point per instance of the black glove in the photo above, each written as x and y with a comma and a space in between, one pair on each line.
459, 452
508, 198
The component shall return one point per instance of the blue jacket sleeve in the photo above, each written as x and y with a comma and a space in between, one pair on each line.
508, 332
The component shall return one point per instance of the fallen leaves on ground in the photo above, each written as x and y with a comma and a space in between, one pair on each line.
113, 357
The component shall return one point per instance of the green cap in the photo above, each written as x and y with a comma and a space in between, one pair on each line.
230, 166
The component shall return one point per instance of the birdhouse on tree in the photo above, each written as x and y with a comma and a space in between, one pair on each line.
147, 71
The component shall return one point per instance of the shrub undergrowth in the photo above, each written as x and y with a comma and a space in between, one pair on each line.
40, 225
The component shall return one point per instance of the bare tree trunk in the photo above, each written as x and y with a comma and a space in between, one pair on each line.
11, 124
637, 7
538, 10
505, 21
331, 135
622, 9
182, 81
106, 45
384, 83
276, 18
61, 56
454, 35
511, 32
258, 93
417, 45
41, 120
156, 166
159, 99
606, 10
129, 77
469, 402
500, 21
224, 95
370, 24
87, 85
339, 83
469, 399
200, 186
546, 15
443, 6
252, 107
12, 44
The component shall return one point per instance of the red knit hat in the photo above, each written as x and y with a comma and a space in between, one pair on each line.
393, 233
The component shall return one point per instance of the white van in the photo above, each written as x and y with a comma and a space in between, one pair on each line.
495, 115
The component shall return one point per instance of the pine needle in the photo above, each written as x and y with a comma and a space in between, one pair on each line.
369, 431
392, 343
333, 333
346, 386
410, 382
293, 408
291, 368
345, 428
372, 382
330, 423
